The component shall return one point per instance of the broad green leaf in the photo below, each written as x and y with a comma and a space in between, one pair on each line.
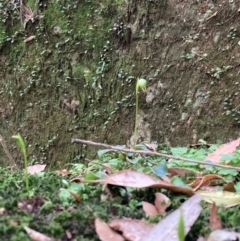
161, 169
226, 172
179, 151
102, 152
226, 157
91, 176
177, 181
221, 198
75, 187
237, 187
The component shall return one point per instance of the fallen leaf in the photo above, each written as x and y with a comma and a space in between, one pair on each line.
36, 236
182, 172
132, 229
29, 39
214, 219
76, 196
136, 179
204, 181
229, 187
63, 172
149, 209
162, 202
223, 235
108, 168
167, 229
151, 146
221, 198
35, 168
227, 148
105, 233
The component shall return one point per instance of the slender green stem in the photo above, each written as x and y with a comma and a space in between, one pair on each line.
136, 117
22, 146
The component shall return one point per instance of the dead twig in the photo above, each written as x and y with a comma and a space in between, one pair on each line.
114, 148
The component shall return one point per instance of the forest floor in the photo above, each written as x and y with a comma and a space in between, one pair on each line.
123, 195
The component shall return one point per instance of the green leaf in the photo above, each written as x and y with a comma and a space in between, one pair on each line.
225, 171
237, 187
177, 181
181, 227
91, 176
179, 151
102, 152
226, 157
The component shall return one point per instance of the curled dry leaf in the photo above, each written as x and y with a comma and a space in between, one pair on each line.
214, 219
205, 180
162, 202
76, 196
105, 233
229, 187
30, 38
136, 179
132, 229
227, 148
36, 236
149, 209
35, 168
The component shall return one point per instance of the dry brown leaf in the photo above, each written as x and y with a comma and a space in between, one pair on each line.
35, 168
36, 236
76, 196
29, 39
182, 172
229, 187
149, 209
227, 148
132, 229
108, 168
167, 229
214, 219
136, 179
105, 233
162, 202
63, 172
204, 181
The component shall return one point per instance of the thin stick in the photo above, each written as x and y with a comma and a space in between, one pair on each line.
114, 148
4, 146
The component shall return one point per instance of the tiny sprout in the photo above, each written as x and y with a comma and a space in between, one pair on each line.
142, 83
22, 146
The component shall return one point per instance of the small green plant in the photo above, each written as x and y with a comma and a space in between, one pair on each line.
22, 146
181, 227
141, 83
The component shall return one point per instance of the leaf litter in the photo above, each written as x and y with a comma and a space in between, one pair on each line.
130, 228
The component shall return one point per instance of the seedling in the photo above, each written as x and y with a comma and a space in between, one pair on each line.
22, 146
141, 83
181, 227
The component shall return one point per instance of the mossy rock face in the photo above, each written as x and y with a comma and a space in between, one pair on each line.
76, 77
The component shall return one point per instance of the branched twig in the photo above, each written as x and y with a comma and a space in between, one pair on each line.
14, 165
114, 148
